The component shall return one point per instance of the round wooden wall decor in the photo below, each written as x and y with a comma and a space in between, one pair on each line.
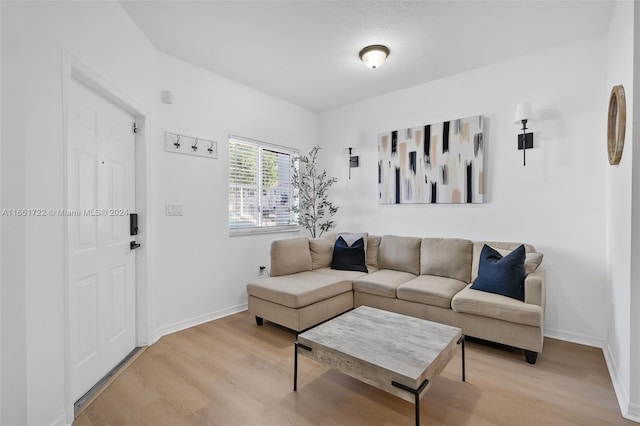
616, 124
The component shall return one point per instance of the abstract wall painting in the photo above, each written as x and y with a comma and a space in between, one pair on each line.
438, 163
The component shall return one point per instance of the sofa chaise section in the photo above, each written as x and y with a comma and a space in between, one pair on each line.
295, 295
300, 300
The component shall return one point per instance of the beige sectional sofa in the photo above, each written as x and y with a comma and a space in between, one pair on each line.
427, 278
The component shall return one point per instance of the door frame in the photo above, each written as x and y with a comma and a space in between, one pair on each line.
74, 69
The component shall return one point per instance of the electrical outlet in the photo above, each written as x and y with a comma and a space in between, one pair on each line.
261, 269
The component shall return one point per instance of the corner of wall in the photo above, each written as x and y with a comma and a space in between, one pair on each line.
616, 379
1, 286
63, 420
623, 210
579, 338
13, 309
194, 321
633, 413
634, 300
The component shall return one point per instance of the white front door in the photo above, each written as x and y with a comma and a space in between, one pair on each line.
101, 265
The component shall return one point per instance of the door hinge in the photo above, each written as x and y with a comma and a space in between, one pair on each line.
134, 128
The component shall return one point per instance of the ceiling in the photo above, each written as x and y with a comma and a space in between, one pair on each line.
306, 52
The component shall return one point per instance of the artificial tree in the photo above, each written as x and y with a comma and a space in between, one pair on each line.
314, 210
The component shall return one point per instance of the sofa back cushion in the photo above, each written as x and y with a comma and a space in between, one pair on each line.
532, 259
321, 252
400, 254
446, 257
373, 246
290, 255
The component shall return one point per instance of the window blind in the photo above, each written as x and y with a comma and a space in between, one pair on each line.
260, 191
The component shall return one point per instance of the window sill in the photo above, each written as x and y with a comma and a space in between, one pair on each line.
240, 232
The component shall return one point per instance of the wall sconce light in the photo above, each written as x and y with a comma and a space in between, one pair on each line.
524, 112
354, 160
373, 56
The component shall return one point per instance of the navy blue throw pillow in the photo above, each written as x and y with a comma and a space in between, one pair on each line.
501, 275
349, 258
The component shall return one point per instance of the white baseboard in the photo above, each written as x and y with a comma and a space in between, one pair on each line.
569, 336
634, 412
200, 319
61, 421
629, 410
618, 386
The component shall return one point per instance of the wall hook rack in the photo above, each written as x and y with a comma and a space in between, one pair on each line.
180, 143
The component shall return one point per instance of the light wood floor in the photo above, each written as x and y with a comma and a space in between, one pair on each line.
232, 372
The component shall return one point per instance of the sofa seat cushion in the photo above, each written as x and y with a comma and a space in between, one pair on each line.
382, 283
430, 290
299, 290
491, 305
347, 275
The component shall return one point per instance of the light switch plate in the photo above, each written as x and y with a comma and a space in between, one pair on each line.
172, 209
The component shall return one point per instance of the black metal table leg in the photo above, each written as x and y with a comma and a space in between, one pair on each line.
416, 393
295, 367
295, 363
461, 342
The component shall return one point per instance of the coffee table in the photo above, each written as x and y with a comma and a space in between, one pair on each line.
396, 353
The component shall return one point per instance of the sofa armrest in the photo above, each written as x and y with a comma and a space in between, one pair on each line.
535, 288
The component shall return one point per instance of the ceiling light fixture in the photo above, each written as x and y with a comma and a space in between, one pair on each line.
373, 56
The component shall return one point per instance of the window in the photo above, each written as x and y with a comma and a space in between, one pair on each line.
260, 192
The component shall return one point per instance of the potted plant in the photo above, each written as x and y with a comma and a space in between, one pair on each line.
311, 187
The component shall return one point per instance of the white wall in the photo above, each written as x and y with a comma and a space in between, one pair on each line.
619, 206
197, 271
12, 180
633, 411
556, 202
633, 116
103, 36
200, 271
1, 281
